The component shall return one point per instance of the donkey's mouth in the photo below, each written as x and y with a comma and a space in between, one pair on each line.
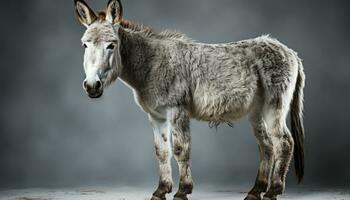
96, 94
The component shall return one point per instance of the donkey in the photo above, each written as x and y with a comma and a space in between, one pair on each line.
174, 79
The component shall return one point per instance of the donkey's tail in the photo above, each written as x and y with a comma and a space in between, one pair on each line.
297, 127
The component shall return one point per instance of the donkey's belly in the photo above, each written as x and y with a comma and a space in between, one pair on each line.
217, 106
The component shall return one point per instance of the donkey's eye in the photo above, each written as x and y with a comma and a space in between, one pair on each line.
110, 46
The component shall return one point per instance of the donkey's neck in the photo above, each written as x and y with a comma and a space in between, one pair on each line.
136, 53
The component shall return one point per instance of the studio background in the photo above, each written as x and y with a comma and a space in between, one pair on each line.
52, 134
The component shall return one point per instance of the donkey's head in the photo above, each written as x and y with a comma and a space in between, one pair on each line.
102, 62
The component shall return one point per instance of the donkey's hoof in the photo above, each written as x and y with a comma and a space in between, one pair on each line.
157, 198
269, 198
180, 196
252, 197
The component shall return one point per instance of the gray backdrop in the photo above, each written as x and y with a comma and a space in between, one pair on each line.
52, 134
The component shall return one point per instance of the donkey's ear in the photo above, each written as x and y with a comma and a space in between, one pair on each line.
85, 15
114, 13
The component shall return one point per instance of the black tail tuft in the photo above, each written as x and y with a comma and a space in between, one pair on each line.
297, 127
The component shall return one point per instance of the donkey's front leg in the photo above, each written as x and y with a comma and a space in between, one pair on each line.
181, 137
163, 152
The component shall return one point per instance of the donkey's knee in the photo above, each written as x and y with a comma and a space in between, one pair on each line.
181, 151
163, 154
181, 138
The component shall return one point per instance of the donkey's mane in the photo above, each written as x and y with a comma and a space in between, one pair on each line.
147, 31
151, 33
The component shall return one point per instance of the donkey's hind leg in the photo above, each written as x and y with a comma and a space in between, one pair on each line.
266, 149
164, 154
283, 153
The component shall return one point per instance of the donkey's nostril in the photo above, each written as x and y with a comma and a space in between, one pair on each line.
85, 84
98, 85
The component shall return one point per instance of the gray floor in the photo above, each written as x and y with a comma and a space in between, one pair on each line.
133, 193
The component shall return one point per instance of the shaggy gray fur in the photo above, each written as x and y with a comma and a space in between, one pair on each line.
175, 79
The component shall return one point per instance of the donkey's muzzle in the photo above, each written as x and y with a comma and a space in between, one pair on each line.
94, 90
95, 95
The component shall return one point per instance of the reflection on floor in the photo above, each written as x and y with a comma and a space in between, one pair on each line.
133, 193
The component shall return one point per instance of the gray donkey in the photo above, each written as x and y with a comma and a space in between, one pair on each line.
174, 79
